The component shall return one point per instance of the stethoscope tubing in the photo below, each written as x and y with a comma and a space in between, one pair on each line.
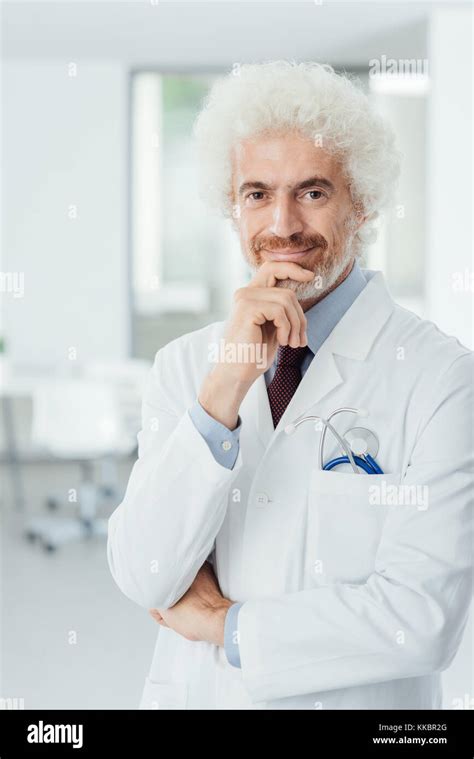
342, 443
367, 463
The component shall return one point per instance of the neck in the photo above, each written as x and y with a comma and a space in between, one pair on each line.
307, 303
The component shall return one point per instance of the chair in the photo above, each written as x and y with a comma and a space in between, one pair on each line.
77, 420
128, 378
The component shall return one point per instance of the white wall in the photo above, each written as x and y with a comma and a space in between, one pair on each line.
449, 161
449, 224
64, 142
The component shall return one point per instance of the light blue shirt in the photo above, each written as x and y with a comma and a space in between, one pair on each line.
224, 443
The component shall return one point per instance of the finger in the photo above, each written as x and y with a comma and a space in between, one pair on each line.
303, 336
296, 316
296, 336
156, 615
272, 271
274, 312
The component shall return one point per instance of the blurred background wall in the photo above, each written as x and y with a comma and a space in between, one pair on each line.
108, 253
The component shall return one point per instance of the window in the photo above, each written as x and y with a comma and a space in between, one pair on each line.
400, 251
180, 250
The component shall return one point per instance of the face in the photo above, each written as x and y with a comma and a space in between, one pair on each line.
292, 203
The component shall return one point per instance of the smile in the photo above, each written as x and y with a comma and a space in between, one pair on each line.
286, 255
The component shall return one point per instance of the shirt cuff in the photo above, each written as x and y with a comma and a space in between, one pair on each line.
231, 635
223, 443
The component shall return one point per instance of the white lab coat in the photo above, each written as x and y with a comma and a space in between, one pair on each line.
349, 604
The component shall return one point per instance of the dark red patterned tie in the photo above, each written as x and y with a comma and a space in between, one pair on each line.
286, 379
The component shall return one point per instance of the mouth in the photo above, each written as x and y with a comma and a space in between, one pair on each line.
286, 255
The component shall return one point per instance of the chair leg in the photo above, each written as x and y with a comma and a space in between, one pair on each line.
54, 531
88, 494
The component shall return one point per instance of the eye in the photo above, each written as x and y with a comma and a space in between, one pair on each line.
257, 195
315, 194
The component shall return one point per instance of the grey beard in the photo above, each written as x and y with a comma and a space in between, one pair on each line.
322, 283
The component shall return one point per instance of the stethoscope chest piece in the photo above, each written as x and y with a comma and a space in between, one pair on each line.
362, 441
359, 446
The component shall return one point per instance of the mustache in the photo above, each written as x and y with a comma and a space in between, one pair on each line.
296, 242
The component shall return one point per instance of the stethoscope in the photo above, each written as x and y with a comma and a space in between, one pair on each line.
359, 445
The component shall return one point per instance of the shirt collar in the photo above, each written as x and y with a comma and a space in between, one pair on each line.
324, 315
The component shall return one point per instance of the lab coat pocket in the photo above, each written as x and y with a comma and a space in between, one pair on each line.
163, 695
346, 514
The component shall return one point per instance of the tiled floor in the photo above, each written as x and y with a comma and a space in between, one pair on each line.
70, 638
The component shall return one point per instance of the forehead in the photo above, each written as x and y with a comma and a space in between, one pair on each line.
282, 159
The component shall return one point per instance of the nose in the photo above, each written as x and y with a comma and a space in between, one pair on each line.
285, 219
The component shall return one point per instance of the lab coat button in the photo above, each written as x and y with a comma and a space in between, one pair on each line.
226, 445
261, 499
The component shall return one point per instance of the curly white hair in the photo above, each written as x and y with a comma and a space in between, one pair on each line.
312, 98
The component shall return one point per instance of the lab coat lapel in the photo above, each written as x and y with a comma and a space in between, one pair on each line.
255, 411
320, 378
352, 337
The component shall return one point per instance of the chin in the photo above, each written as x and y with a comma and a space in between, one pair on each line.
302, 290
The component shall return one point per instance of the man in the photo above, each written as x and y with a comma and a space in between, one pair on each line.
277, 583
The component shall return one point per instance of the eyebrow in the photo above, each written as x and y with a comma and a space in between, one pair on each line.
310, 182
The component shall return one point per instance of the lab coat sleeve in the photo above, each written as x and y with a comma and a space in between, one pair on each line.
176, 499
214, 433
407, 619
